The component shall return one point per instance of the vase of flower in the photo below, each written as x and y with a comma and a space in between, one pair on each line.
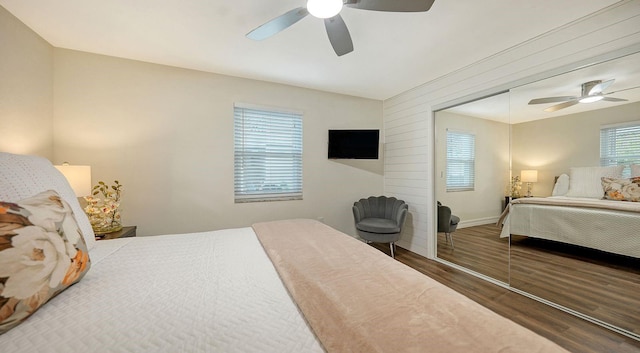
104, 213
516, 186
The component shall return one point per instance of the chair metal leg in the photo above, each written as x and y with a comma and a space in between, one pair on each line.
450, 239
392, 247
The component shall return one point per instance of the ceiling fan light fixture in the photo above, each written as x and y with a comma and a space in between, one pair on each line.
324, 8
591, 99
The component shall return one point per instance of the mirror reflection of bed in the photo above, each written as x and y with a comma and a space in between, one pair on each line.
589, 266
584, 258
601, 278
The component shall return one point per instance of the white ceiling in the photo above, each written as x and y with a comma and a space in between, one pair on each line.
394, 52
513, 107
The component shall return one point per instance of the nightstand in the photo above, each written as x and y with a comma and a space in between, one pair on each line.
125, 232
506, 200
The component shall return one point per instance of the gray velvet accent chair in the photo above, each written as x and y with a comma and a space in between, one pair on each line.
447, 222
379, 219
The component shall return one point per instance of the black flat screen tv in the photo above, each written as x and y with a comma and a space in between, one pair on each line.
353, 144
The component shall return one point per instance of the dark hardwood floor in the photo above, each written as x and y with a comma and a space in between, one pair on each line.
478, 248
568, 331
599, 284
602, 285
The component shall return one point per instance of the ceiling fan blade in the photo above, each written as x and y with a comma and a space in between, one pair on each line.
278, 24
338, 35
561, 106
551, 100
613, 99
391, 5
600, 87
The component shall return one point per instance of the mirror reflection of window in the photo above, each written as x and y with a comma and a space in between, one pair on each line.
472, 179
461, 159
620, 145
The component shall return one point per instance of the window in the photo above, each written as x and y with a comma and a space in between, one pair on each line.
268, 154
620, 145
461, 161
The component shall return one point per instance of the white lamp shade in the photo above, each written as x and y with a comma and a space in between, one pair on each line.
529, 176
79, 177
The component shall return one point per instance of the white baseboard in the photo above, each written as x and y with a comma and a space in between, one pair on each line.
478, 222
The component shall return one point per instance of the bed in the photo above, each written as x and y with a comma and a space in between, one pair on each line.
282, 286
582, 215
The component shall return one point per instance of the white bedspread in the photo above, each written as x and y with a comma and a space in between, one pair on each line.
610, 226
201, 292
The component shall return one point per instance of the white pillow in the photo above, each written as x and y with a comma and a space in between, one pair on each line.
562, 186
22, 177
587, 182
635, 170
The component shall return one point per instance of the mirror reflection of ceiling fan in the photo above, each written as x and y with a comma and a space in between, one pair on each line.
592, 91
329, 10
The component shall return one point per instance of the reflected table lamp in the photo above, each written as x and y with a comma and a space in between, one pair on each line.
529, 176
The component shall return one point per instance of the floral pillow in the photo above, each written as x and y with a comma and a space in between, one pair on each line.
621, 189
42, 252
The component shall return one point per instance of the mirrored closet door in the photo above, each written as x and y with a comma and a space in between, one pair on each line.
566, 139
472, 175
585, 259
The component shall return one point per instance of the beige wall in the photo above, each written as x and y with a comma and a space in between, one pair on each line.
484, 204
167, 135
26, 89
554, 145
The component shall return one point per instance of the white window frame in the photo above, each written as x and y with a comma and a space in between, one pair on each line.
267, 153
460, 157
620, 145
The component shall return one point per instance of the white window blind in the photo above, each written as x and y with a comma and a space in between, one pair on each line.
461, 161
620, 145
268, 154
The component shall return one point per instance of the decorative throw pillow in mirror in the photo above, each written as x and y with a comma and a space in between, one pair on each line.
621, 189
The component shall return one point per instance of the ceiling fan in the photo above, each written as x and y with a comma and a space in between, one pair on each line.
329, 10
592, 91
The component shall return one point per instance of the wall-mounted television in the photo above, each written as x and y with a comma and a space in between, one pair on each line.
354, 144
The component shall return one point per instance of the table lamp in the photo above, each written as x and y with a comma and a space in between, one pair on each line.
529, 176
78, 176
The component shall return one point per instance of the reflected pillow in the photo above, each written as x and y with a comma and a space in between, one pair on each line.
562, 186
635, 170
621, 189
42, 252
586, 181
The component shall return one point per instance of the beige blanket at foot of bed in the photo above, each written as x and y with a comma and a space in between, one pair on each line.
357, 299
